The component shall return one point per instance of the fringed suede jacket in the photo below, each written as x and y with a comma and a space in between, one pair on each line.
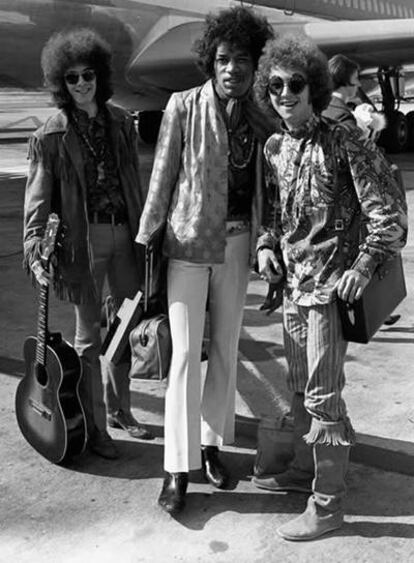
56, 183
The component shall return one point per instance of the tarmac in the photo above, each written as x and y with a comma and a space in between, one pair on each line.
97, 510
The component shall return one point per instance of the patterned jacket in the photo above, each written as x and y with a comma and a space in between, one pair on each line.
303, 166
188, 187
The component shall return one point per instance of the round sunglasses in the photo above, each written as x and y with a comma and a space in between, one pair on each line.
73, 77
296, 84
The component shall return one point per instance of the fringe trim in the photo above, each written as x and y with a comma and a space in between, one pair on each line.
78, 294
338, 433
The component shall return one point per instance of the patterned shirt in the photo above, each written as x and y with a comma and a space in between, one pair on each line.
104, 192
302, 167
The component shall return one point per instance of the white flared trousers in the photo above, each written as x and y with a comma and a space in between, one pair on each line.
194, 416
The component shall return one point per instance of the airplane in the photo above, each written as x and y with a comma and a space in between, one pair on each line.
152, 45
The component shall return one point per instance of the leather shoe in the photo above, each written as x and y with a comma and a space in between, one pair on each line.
125, 420
174, 488
391, 320
102, 444
213, 470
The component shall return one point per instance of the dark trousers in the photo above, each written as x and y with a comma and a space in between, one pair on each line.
112, 257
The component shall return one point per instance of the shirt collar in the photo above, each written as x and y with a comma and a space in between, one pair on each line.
304, 130
83, 118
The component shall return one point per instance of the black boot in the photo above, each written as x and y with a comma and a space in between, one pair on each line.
174, 488
213, 470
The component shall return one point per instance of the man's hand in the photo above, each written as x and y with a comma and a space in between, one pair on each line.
268, 266
42, 276
351, 285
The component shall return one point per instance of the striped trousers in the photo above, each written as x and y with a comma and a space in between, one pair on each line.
315, 351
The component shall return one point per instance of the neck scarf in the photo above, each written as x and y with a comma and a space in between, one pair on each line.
235, 108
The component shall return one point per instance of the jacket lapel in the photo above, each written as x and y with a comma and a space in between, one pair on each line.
73, 149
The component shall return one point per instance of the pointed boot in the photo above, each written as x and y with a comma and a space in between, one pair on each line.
174, 488
213, 469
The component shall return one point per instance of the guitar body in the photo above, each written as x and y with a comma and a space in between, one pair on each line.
48, 408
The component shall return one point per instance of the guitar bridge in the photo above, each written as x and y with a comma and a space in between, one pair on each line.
40, 409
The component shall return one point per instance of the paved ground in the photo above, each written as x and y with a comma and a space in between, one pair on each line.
98, 510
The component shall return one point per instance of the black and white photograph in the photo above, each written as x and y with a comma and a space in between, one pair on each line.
207, 281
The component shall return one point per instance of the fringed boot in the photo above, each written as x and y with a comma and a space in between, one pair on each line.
324, 511
300, 472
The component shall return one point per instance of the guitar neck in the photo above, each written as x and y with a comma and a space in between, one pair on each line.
42, 328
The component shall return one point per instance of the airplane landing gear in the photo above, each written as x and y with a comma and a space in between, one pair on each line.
396, 135
149, 125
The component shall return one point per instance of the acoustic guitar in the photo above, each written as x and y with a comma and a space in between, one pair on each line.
48, 408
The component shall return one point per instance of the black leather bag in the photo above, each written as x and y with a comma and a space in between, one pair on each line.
385, 291
150, 340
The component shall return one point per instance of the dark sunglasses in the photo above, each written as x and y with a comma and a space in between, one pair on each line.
296, 84
73, 77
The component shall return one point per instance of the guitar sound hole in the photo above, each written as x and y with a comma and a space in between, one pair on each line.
41, 374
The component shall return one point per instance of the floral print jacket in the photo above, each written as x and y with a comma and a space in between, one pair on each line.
188, 187
303, 166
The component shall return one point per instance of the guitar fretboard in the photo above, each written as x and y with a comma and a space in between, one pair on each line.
42, 325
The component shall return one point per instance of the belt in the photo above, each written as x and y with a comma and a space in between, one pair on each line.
237, 227
109, 218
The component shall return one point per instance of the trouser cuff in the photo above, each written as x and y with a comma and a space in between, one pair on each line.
339, 433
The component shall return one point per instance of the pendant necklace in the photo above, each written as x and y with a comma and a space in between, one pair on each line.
99, 163
248, 142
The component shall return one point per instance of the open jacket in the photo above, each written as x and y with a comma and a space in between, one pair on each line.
56, 183
188, 188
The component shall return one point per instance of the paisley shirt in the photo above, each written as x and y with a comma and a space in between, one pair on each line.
104, 193
303, 166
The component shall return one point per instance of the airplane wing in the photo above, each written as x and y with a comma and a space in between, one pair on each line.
166, 62
370, 43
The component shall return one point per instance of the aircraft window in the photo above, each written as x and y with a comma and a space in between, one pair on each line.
400, 12
388, 8
375, 5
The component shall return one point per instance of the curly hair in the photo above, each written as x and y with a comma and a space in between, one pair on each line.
341, 69
295, 52
71, 47
237, 26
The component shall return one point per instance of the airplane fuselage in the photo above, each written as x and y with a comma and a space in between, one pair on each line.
151, 39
